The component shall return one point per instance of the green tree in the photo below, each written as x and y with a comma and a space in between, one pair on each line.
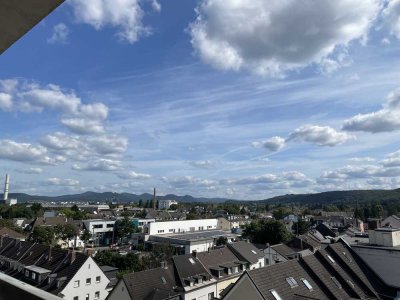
124, 228
301, 227
43, 235
37, 209
267, 231
140, 202
280, 213
173, 207
65, 232
85, 236
221, 241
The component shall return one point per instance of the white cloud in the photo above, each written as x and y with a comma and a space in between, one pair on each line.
31, 170
320, 135
271, 37
392, 160
62, 182
133, 175
156, 5
25, 152
383, 120
83, 126
391, 17
5, 102
273, 144
185, 181
108, 144
202, 164
60, 34
125, 15
99, 165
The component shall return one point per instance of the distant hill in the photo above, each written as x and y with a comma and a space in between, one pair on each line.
349, 197
319, 198
109, 196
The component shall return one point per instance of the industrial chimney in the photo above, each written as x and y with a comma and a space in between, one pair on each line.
6, 184
154, 199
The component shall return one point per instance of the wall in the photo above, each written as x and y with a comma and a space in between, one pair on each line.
244, 289
221, 285
170, 227
120, 292
202, 293
384, 238
88, 270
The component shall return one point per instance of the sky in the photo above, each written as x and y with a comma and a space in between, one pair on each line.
241, 99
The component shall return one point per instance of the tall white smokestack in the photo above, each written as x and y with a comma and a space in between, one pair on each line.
6, 184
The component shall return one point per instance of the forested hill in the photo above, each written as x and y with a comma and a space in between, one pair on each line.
350, 197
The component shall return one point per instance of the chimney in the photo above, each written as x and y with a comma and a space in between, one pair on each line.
154, 199
6, 185
163, 265
194, 253
50, 252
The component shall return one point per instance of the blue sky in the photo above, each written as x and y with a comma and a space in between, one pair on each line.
239, 99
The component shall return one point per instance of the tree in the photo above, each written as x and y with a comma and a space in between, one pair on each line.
173, 207
301, 227
280, 213
85, 236
43, 235
266, 231
65, 232
140, 202
124, 228
221, 241
36, 208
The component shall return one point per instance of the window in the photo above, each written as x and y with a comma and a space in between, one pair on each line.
201, 227
33, 276
110, 225
160, 231
163, 280
171, 230
336, 282
210, 295
330, 258
87, 297
88, 281
76, 298
350, 283
26, 273
306, 283
76, 283
292, 282
98, 226
97, 295
254, 251
275, 294
191, 261
98, 279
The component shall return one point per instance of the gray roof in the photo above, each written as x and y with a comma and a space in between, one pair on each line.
146, 284
246, 251
188, 266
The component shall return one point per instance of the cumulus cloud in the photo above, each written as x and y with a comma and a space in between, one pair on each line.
392, 160
271, 37
133, 175
83, 126
31, 170
25, 152
273, 144
202, 164
62, 182
5, 102
125, 15
320, 135
384, 120
185, 181
391, 17
60, 34
99, 165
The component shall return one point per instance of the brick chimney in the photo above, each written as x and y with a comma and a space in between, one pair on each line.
194, 253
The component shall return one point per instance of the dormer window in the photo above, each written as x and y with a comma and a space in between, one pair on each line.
292, 282
330, 258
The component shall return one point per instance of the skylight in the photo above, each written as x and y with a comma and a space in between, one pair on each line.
330, 258
336, 282
192, 261
306, 283
275, 294
254, 251
163, 280
292, 282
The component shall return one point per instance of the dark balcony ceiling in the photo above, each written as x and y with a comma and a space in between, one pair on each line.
17, 17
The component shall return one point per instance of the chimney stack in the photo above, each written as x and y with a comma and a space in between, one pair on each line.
194, 253
154, 199
6, 185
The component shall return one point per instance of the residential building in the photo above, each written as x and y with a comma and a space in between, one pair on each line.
67, 274
333, 273
166, 204
164, 228
102, 231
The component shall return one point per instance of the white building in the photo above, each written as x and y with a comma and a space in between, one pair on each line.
102, 230
387, 237
171, 227
166, 204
